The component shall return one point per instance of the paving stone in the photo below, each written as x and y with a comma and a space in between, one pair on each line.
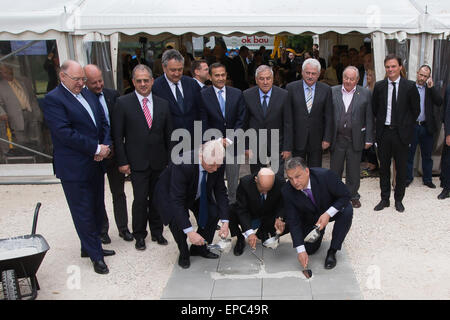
240, 287
339, 296
286, 287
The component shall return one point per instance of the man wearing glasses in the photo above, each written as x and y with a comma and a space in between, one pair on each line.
81, 140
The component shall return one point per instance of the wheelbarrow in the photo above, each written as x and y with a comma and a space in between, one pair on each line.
20, 257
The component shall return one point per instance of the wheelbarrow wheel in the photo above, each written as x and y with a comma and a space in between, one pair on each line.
10, 284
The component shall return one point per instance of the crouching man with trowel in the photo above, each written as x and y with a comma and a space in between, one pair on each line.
312, 198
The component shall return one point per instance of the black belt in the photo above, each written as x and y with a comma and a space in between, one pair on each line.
421, 123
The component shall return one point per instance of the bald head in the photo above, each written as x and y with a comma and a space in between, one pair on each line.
72, 76
265, 180
94, 78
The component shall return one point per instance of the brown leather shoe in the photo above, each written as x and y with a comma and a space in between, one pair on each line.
356, 203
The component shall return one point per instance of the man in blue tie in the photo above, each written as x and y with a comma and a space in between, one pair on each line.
197, 186
81, 140
223, 108
107, 98
314, 197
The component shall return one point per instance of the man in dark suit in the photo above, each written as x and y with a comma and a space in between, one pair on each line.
196, 185
268, 108
315, 197
223, 108
81, 140
182, 93
259, 205
142, 127
353, 130
312, 113
396, 106
239, 69
445, 159
107, 98
426, 126
367, 65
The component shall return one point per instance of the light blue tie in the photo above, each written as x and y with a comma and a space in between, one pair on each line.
309, 99
102, 100
221, 102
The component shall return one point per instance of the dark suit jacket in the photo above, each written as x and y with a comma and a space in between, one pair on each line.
192, 102
136, 144
212, 116
248, 202
75, 137
301, 214
177, 188
319, 123
446, 117
408, 108
238, 73
362, 116
433, 102
278, 117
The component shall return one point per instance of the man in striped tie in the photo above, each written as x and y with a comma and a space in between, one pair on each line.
142, 126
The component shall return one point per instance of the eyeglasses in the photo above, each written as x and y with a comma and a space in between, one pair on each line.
84, 79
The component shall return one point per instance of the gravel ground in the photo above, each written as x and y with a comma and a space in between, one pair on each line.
394, 255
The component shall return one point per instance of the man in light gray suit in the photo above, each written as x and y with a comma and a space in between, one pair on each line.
19, 106
268, 108
353, 129
312, 113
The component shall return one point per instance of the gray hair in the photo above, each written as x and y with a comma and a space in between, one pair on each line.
263, 68
312, 62
66, 65
142, 67
351, 68
213, 152
171, 54
295, 162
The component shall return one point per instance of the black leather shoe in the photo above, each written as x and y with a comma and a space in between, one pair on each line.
202, 252
160, 239
430, 184
330, 260
399, 206
408, 183
381, 205
100, 267
126, 235
184, 262
105, 238
239, 247
444, 194
106, 253
140, 244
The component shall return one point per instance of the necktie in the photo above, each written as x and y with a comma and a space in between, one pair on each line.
180, 99
221, 102
393, 104
309, 100
203, 212
147, 114
263, 198
102, 100
264, 105
310, 196
20, 94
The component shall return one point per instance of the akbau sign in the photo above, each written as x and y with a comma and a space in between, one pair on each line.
252, 42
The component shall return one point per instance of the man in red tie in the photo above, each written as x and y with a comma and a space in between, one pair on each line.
142, 126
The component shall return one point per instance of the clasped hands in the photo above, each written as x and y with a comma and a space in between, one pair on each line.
105, 151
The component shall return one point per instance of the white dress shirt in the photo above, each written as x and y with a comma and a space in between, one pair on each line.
149, 102
173, 87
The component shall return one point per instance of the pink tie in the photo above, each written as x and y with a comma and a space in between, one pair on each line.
147, 114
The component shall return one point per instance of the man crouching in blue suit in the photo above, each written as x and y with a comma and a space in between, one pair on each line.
81, 140
314, 197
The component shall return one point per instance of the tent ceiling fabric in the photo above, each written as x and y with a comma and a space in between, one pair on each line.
237, 17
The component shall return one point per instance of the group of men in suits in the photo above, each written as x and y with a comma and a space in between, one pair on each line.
309, 117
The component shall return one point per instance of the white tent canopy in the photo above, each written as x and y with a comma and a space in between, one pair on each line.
71, 22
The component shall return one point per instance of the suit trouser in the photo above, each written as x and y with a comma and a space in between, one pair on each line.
425, 140
87, 206
343, 153
342, 223
116, 185
207, 233
143, 210
445, 167
232, 174
391, 146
